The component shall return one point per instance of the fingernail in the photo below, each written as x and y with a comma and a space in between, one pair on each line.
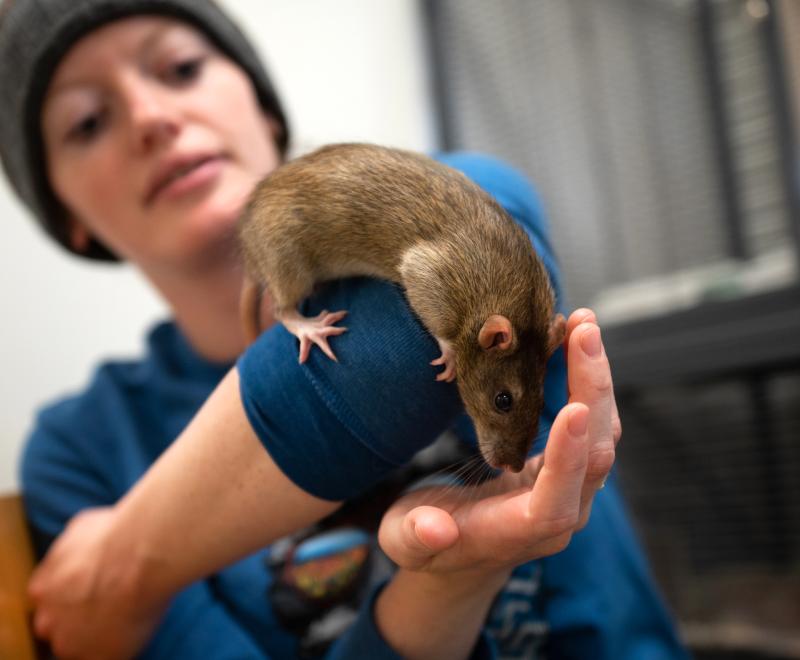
578, 422
590, 342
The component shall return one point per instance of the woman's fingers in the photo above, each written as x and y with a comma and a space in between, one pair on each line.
499, 529
590, 382
411, 539
554, 502
42, 624
584, 315
577, 317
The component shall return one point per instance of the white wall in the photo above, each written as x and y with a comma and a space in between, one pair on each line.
346, 70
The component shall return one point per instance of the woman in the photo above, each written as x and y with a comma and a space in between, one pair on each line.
144, 126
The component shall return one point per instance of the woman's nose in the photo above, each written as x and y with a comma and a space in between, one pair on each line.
154, 118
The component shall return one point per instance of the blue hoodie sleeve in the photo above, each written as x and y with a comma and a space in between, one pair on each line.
336, 428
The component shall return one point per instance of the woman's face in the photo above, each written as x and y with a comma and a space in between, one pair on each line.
154, 140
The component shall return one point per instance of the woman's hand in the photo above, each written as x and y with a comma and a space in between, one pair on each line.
85, 613
455, 547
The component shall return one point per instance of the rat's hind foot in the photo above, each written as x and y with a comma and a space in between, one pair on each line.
314, 330
448, 359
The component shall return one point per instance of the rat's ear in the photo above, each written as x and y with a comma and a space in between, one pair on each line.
496, 333
555, 336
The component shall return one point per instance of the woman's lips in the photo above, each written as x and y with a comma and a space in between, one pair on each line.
194, 177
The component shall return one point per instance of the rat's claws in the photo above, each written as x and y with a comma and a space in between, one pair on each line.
315, 330
448, 359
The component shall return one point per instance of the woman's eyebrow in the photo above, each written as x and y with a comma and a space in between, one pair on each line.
157, 35
62, 88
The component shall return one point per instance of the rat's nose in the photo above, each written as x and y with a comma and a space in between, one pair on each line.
511, 466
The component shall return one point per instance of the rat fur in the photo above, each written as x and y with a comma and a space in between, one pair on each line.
468, 270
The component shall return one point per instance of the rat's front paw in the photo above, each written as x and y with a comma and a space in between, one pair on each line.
448, 359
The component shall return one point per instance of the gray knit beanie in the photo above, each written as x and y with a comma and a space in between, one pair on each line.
36, 34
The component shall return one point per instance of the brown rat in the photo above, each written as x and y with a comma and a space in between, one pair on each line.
469, 272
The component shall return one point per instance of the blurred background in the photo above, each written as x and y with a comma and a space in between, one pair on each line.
662, 136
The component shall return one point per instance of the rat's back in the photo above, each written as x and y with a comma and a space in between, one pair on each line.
354, 209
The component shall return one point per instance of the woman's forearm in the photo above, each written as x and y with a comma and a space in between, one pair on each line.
213, 497
436, 615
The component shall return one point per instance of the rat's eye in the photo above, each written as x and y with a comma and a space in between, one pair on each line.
503, 402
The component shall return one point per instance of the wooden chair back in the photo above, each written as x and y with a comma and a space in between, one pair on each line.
16, 564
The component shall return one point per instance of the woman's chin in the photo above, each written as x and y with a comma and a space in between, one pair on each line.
208, 227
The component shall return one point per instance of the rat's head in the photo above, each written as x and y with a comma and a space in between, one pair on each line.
501, 379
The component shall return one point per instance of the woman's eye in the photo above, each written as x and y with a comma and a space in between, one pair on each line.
88, 127
186, 70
